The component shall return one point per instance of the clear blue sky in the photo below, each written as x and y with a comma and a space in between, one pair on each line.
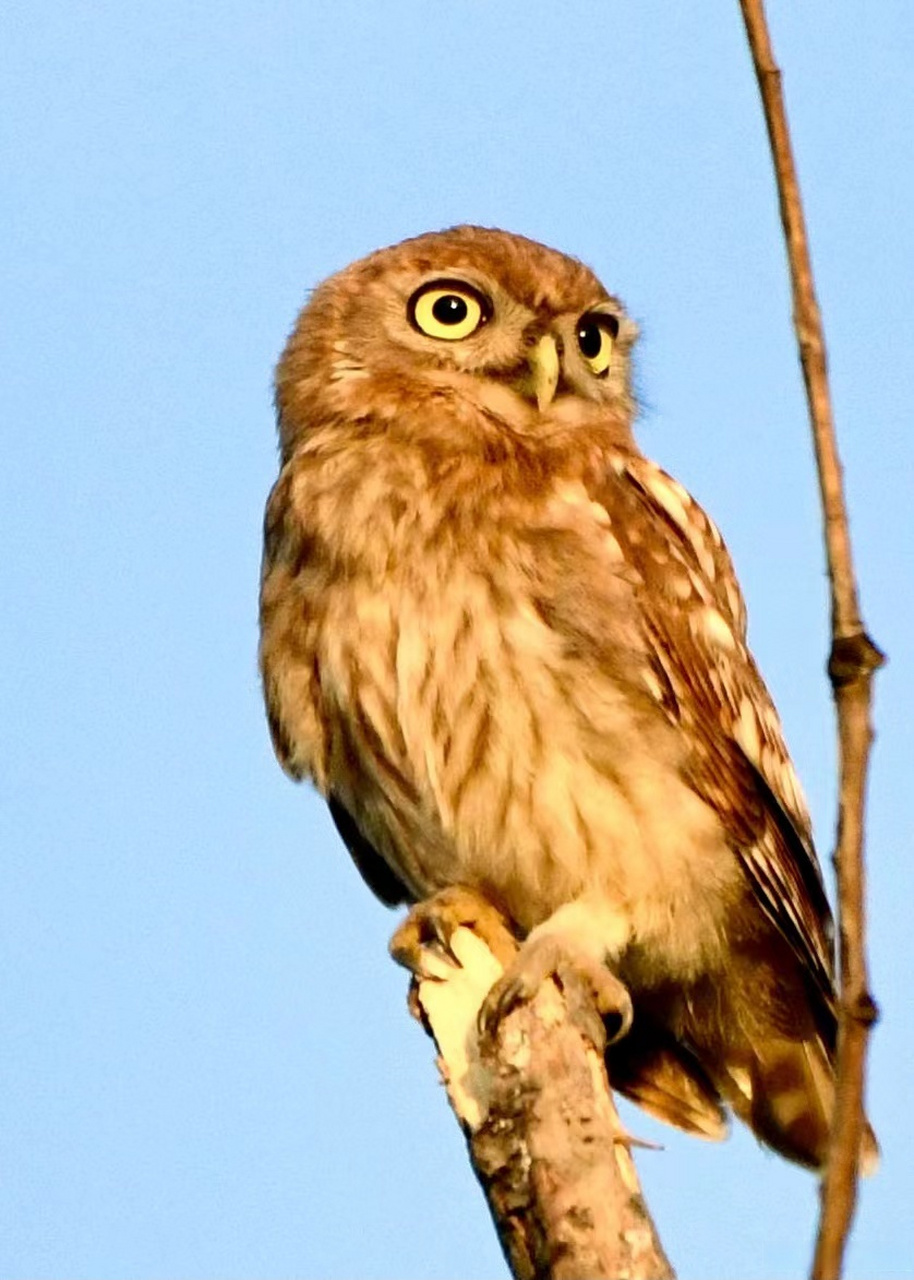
206, 1065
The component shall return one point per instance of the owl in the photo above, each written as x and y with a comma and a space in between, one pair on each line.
510, 651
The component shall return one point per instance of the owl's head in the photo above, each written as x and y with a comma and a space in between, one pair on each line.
487, 321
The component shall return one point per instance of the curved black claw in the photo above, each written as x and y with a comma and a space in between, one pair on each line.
430, 926
549, 956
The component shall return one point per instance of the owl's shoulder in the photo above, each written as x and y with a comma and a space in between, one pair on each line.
666, 536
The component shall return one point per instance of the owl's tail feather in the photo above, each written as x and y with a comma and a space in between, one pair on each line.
785, 1092
661, 1076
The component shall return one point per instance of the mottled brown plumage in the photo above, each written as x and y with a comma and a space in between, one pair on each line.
511, 653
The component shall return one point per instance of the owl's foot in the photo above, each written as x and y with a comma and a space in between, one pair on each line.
431, 924
554, 955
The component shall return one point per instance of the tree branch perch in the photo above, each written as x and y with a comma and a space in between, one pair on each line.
535, 1106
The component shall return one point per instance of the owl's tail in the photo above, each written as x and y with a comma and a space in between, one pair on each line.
658, 1073
783, 1089
785, 1092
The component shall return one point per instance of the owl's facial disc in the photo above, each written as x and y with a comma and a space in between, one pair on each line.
542, 351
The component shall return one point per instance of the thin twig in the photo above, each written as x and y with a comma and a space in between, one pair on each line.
854, 658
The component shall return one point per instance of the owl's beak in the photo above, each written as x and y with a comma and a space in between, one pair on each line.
544, 370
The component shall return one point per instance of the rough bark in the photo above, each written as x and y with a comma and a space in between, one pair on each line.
543, 1134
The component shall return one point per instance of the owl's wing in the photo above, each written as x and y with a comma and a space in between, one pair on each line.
380, 877
295, 578
703, 675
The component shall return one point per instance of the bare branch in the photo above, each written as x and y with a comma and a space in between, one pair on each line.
535, 1106
854, 658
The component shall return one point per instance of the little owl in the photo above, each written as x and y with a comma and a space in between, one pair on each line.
510, 651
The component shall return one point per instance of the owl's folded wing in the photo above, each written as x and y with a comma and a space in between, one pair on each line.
708, 684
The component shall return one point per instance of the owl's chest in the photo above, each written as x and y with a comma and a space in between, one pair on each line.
427, 583
480, 696
473, 750
457, 643
423, 650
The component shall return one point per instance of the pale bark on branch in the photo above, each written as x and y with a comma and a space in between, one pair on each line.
853, 659
542, 1130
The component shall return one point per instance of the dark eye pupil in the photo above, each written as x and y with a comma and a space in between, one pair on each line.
590, 340
449, 309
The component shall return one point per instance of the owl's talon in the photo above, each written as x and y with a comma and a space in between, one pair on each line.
430, 926
409, 949
548, 956
615, 1006
502, 998
440, 940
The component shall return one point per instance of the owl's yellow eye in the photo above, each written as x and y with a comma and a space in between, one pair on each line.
448, 309
596, 334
